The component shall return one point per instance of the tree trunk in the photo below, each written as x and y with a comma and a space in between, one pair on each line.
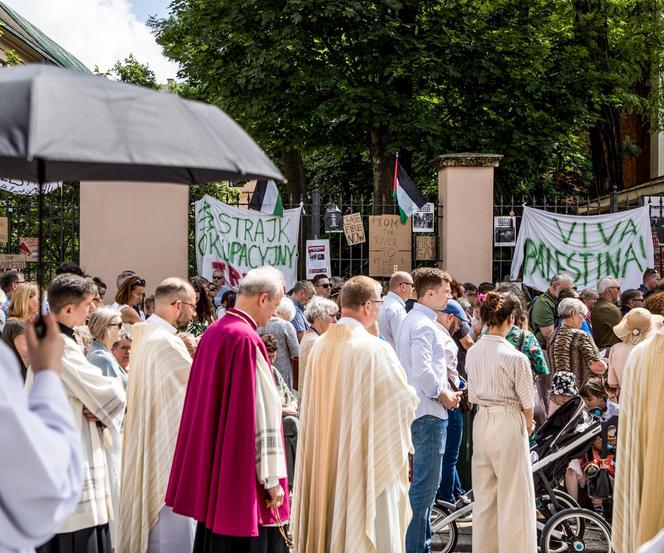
382, 169
606, 151
294, 174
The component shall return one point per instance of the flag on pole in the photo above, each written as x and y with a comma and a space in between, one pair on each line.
406, 193
266, 198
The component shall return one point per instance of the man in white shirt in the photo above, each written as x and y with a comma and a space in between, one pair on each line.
41, 466
393, 310
421, 350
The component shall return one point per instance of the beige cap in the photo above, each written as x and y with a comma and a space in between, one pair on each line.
636, 325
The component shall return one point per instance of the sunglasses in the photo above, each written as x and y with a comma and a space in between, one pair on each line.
139, 282
326, 285
119, 325
217, 278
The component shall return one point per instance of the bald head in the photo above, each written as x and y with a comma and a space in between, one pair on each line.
175, 302
401, 284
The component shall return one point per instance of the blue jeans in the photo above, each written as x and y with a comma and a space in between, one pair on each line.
450, 486
429, 442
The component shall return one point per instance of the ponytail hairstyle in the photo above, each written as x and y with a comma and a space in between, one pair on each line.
497, 308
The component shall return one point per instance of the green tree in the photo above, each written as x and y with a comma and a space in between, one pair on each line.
132, 71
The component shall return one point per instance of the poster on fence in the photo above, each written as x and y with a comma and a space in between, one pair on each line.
390, 246
318, 258
4, 230
236, 240
354, 229
423, 218
504, 231
586, 247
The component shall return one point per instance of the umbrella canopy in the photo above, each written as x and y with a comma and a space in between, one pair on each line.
85, 127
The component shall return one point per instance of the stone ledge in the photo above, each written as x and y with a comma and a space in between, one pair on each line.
466, 160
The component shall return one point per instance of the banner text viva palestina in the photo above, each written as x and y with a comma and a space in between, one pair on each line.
618, 254
233, 239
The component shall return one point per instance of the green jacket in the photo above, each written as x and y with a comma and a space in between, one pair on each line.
544, 312
604, 316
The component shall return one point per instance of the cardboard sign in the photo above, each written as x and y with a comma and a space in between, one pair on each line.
29, 247
389, 245
15, 262
425, 248
354, 229
4, 230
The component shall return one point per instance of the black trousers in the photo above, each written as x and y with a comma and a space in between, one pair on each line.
269, 540
96, 539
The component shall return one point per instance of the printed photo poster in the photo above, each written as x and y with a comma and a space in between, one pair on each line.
587, 247
318, 258
236, 240
504, 231
423, 219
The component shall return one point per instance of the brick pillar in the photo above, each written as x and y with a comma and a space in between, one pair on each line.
465, 191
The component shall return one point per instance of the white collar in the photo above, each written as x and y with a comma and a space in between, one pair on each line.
349, 321
392, 295
156, 319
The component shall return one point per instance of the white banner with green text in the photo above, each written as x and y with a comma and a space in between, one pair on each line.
236, 240
587, 247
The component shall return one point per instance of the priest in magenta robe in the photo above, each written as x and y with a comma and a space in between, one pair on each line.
229, 467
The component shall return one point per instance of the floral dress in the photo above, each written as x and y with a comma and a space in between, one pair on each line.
526, 343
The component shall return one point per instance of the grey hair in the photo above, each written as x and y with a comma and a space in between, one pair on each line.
319, 308
588, 294
100, 321
303, 285
264, 280
122, 276
559, 278
606, 283
571, 305
286, 309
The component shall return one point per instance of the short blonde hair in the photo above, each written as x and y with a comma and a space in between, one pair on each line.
19, 308
357, 291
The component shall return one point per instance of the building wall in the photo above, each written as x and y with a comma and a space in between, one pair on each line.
136, 226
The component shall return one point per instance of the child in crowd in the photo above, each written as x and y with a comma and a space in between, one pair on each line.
563, 389
585, 472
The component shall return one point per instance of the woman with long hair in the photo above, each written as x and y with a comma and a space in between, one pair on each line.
205, 312
23, 308
129, 299
500, 381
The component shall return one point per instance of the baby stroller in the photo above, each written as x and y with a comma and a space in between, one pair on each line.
562, 525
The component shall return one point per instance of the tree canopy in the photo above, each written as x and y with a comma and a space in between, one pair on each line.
335, 88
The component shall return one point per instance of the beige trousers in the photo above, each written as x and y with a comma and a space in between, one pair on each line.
504, 513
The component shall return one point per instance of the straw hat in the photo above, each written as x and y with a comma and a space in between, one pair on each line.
636, 325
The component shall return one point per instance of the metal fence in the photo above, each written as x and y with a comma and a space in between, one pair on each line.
61, 229
577, 205
345, 260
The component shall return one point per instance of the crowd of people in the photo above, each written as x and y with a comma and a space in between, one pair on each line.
328, 417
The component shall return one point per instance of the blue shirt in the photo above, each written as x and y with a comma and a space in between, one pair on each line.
299, 322
392, 312
421, 348
41, 465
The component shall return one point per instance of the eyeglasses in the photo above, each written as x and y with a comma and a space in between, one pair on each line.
326, 285
192, 305
374, 301
407, 283
614, 287
119, 325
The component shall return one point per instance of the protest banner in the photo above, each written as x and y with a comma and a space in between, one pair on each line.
318, 258
586, 247
354, 229
27, 188
236, 240
389, 245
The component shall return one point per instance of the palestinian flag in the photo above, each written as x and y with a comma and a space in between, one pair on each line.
406, 193
266, 198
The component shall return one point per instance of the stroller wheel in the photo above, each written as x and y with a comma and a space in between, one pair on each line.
547, 507
576, 530
449, 534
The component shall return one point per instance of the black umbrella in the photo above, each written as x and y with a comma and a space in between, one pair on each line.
57, 124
